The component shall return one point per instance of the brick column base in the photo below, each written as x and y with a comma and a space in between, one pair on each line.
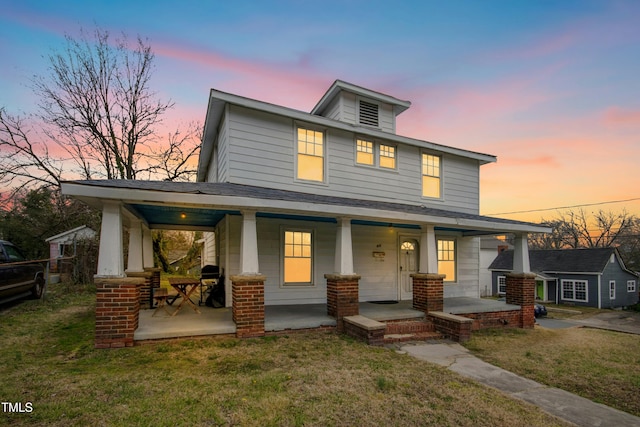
342, 297
428, 292
248, 305
117, 311
521, 291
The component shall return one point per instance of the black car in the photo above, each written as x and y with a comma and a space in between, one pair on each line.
19, 277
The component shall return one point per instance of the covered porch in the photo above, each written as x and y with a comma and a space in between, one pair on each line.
141, 206
283, 318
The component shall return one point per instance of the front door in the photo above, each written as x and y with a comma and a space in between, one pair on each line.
408, 266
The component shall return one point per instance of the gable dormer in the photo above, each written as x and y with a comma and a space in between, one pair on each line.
359, 106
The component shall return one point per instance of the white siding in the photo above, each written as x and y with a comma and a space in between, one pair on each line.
219, 167
270, 254
378, 275
259, 150
209, 250
468, 251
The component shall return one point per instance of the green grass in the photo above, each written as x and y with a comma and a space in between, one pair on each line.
602, 366
310, 379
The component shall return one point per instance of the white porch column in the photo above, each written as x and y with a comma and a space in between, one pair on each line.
428, 250
147, 247
134, 258
249, 245
344, 249
110, 255
521, 254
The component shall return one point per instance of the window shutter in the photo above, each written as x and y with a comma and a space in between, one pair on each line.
368, 114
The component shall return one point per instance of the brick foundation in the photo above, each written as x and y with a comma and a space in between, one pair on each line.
365, 329
151, 280
342, 297
494, 319
248, 305
428, 292
455, 327
117, 311
521, 291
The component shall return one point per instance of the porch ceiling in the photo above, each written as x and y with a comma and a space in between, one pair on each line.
179, 217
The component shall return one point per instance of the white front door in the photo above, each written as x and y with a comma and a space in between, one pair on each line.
408, 266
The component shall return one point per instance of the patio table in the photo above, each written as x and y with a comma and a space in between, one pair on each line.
185, 287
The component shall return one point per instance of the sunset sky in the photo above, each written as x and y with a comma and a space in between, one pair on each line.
552, 88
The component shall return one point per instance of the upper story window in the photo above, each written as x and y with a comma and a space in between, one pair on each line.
364, 152
310, 163
431, 176
368, 113
387, 156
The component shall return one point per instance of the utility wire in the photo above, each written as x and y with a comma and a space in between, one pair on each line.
567, 207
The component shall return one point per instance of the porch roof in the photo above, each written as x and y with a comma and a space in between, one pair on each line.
200, 205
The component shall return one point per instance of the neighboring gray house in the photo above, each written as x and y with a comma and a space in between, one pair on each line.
489, 248
595, 277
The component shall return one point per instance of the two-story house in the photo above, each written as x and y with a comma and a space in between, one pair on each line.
294, 201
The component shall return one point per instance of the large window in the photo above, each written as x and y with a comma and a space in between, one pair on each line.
574, 290
447, 259
310, 155
297, 257
431, 172
364, 152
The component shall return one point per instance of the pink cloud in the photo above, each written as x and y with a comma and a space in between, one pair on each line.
616, 116
293, 85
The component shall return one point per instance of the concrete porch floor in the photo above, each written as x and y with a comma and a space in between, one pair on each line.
218, 321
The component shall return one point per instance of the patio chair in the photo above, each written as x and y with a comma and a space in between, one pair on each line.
160, 296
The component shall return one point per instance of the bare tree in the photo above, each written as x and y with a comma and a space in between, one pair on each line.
577, 229
22, 160
97, 107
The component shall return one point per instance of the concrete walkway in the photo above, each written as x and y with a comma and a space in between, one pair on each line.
560, 403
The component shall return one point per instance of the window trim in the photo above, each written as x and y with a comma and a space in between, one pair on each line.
455, 257
288, 285
504, 278
573, 289
373, 152
296, 153
612, 289
440, 178
631, 285
395, 156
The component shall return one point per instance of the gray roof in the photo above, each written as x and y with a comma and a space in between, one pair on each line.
240, 190
587, 260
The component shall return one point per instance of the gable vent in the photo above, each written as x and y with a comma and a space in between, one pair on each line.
368, 113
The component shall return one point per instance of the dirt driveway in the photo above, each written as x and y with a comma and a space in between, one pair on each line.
622, 321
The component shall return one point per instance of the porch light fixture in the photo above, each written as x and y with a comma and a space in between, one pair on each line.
183, 215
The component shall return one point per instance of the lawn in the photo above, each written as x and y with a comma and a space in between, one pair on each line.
599, 365
320, 379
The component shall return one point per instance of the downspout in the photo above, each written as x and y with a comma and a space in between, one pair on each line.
599, 290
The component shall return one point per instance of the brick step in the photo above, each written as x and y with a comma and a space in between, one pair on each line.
418, 336
410, 330
408, 327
